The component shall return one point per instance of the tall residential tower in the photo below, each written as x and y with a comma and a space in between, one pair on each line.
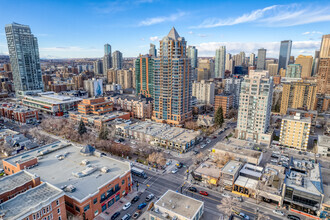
107, 60
24, 58
172, 81
220, 62
261, 61
144, 75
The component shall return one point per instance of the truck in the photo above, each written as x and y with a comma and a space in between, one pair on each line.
138, 172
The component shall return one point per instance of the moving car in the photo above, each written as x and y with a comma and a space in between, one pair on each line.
204, 193
175, 170
293, 217
150, 197
203, 145
126, 217
278, 212
127, 205
192, 189
135, 199
136, 214
169, 163
115, 215
243, 215
142, 205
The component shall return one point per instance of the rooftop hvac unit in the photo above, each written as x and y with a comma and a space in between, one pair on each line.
84, 162
104, 169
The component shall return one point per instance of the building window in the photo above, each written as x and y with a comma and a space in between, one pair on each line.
59, 218
96, 212
86, 208
34, 217
95, 201
58, 211
77, 209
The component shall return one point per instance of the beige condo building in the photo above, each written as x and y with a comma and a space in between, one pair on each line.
325, 47
298, 94
306, 62
295, 131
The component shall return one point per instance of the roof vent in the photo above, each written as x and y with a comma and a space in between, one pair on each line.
84, 162
104, 169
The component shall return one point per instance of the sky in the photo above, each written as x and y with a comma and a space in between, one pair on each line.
79, 29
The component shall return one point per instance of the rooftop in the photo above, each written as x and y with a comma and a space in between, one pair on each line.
106, 117
7, 132
297, 117
240, 147
246, 182
180, 204
309, 181
52, 98
231, 167
11, 182
323, 141
209, 169
29, 202
63, 165
162, 131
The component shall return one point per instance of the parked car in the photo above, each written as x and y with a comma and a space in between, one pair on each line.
150, 197
115, 215
214, 137
225, 195
278, 212
175, 170
204, 193
208, 141
179, 165
135, 199
196, 152
169, 163
142, 205
126, 217
136, 214
203, 145
243, 215
192, 189
127, 205
294, 217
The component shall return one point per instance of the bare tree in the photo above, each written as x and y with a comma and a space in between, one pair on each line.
227, 206
191, 125
262, 216
199, 157
221, 159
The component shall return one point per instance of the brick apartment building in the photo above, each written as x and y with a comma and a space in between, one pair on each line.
225, 101
85, 196
18, 113
96, 106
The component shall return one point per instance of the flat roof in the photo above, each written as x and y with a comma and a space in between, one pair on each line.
323, 141
246, 182
105, 117
209, 169
297, 118
31, 201
15, 180
60, 173
238, 147
53, 98
180, 204
6, 132
231, 167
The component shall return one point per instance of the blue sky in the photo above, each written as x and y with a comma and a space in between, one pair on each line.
73, 29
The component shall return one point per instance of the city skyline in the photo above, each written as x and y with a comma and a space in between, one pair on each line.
130, 26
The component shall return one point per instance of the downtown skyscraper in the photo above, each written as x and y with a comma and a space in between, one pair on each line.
285, 53
193, 54
24, 58
153, 50
107, 60
172, 81
220, 62
261, 61
117, 60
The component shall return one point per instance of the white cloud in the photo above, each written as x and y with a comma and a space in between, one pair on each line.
157, 20
275, 16
190, 32
155, 38
311, 32
305, 47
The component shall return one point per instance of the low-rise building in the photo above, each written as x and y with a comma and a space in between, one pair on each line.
229, 174
295, 131
159, 134
98, 121
140, 107
18, 113
173, 205
235, 150
91, 182
41, 202
323, 145
95, 106
12, 185
209, 173
303, 187
247, 182
51, 103
205, 120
